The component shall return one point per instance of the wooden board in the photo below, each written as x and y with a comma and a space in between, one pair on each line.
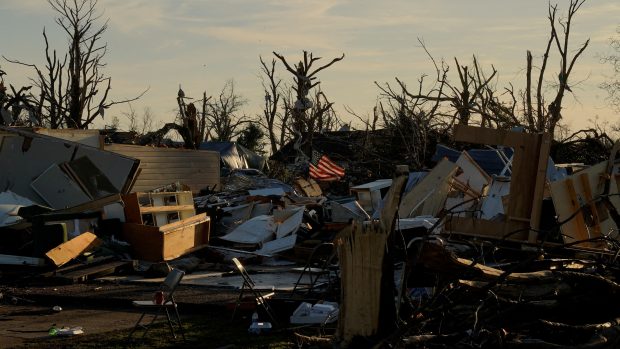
73, 248
309, 187
582, 189
361, 249
161, 166
428, 196
511, 231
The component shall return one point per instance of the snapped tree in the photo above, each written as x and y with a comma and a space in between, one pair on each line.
425, 112
73, 90
309, 112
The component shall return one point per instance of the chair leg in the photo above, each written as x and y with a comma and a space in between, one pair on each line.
238, 301
170, 324
136, 326
181, 329
148, 327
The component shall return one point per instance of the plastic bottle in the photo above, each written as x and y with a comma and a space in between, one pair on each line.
255, 317
53, 331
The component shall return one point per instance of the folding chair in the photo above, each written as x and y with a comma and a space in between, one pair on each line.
150, 307
318, 265
261, 300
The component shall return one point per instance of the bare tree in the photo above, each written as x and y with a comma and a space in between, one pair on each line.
140, 124
305, 79
272, 99
475, 98
224, 119
612, 86
548, 119
74, 89
14, 103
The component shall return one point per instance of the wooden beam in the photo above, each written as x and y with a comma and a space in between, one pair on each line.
490, 136
167, 208
539, 187
489, 229
392, 198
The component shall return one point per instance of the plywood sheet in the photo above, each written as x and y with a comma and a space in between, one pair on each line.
73, 248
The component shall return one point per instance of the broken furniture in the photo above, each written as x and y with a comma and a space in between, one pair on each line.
158, 209
259, 298
155, 306
156, 244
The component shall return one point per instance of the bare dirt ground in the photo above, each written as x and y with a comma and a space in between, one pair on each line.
19, 323
26, 313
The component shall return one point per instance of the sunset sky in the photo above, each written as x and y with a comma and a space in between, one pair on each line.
159, 44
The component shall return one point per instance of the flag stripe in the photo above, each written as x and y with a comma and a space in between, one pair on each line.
330, 166
323, 168
317, 173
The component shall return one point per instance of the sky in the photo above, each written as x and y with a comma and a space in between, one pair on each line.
200, 44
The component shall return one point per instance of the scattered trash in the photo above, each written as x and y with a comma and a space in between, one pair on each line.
257, 327
65, 331
484, 249
323, 313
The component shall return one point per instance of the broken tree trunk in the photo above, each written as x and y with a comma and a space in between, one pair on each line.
367, 298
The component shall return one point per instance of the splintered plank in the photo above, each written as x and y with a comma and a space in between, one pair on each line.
73, 248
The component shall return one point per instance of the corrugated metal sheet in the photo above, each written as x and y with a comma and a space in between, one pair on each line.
197, 169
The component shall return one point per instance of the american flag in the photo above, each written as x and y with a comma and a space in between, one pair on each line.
323, 168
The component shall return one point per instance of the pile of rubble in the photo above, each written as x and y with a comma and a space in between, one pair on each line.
492, 247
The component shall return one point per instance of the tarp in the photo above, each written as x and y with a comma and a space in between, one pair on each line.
235, 156
488, 159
